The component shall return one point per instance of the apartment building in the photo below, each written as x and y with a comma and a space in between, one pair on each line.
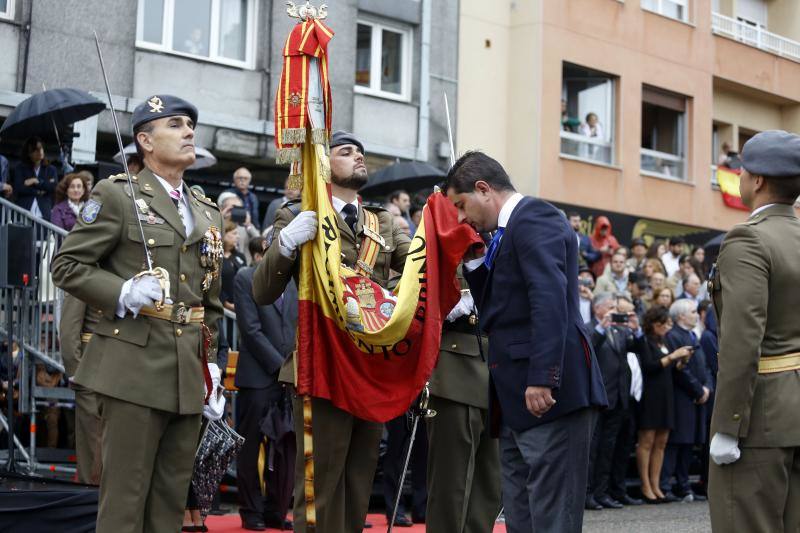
623, 107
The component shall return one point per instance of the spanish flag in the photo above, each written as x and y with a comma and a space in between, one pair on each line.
728, 180
366, 349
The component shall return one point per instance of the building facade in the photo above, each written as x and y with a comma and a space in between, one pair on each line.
387, 61
624, 106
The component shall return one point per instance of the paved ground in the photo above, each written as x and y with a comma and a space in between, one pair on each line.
667, 518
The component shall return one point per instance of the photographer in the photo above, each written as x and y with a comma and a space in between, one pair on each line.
613, 336
692, 387
233, 210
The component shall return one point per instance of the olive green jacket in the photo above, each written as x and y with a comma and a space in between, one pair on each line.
76, 318
461, 374
756, 296
147, 361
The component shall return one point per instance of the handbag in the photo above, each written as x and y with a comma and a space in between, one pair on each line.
218, 447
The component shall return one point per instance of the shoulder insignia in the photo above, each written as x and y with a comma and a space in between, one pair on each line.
122, 177
287, 203
203, 198
375, 208
90, 211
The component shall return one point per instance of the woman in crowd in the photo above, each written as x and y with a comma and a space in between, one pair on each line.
657, 249
652, 266
664, 297
71, 193
604, 242
657, 407
232, 261
699, 255
35, 179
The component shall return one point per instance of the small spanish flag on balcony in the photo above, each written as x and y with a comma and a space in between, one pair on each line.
728, 180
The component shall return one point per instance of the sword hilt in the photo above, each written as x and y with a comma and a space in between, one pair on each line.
161, 274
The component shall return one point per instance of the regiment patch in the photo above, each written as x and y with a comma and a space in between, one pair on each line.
90, 211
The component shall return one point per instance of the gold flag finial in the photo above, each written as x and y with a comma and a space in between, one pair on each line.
307, 11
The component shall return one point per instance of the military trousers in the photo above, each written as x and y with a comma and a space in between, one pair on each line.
345, 457
87, 435
147, 457
463, 469
759, 493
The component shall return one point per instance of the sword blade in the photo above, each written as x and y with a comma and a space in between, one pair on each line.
122, 151
450, 132
405, 470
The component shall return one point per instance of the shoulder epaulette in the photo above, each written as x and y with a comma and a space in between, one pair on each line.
122, 177
292, 205
203, 198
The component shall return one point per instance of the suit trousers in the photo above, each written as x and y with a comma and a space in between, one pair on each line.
677, 460
345, 458
87, 435
147, 457
463, 469
759, 493
545, 470
601, 455
626, 440
252, 405
398, 434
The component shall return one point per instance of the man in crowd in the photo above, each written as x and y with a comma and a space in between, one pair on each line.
288, 196
267, 337
345, 447
588, 255
691, 288
241, 188
402, 200
637, 289
543, 373
585, 291
616, 279
672, 256
245, 229
754, 484
463, 459
638, 255
139, 347
692, 386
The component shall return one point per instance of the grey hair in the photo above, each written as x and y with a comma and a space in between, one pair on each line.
681, 307
623, 296
601, 298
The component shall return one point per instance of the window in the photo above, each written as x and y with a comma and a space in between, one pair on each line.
383, 60
663, 151
676, 9
7, 9
587, 114
752, 12
222, 31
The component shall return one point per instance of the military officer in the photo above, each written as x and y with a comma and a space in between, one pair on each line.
463, 459
754, 483
147, 357
345, 447
75, 330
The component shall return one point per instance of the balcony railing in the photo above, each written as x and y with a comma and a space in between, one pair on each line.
755, 36
662, 164
589, 148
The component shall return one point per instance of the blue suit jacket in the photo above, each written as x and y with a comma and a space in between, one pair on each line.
528, 306
690, 418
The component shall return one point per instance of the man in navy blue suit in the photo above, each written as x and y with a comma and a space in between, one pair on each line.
545, 384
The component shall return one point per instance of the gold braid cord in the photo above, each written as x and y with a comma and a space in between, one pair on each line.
308, 458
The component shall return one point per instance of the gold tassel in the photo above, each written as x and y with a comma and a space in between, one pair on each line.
308, 455
287, 155
293, 136
319, 136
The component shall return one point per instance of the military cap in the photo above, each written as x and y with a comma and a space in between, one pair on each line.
342, 137
160, 106
773, 153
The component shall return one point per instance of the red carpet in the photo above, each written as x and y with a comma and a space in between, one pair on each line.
232, 524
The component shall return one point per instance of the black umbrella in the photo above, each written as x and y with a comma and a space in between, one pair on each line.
411, 176
62, 107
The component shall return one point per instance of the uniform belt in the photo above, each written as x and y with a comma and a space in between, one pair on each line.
179, 314
86, 337
779, 363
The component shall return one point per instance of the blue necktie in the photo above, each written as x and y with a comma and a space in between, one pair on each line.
493, 246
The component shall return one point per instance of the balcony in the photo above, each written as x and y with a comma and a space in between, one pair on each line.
755, 36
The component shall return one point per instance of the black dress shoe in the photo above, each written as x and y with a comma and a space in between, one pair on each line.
670, 498
278, 523
627, 500
592, 504
609, 503
652, 501
401, 520
254, 524
418, 518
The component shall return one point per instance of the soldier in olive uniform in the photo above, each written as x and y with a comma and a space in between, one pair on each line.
754, 483
463, 459
145, 361
75, 330
345, 447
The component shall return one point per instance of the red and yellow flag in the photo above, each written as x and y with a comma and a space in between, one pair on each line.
728, 180
366, 349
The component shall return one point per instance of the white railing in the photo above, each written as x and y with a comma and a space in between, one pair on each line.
755, 36
662, 164
588, 148
714, 182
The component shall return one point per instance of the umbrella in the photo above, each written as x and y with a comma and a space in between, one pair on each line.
204, 158
713, 245
410, 176
60, 107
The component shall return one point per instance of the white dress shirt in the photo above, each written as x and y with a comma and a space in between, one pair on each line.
502, 222
183, 204
758, 210
338, 205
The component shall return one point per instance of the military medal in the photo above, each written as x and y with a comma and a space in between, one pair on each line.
211, 255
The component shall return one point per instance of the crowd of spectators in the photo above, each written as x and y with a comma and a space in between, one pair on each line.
647, 314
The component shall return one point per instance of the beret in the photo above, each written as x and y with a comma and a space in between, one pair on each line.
161, 106
772, 153
342, 137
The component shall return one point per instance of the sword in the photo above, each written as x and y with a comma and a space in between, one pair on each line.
419, 411
159, 273
449, 132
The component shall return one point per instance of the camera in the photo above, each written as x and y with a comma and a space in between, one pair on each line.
619, 319
239, 215
586, 282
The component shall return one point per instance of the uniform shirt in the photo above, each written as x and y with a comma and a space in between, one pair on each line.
339, 204
758, 210
183, 206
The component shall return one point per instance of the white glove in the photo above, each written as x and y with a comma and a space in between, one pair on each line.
724, 449
137, 293
301, 229
215, 407
463, 308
